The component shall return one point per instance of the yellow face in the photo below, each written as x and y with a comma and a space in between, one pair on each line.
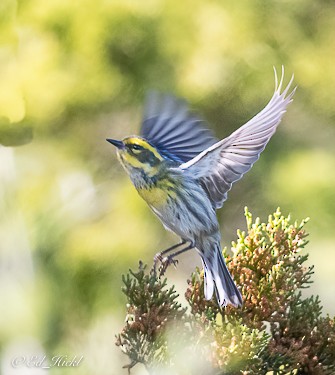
137, 156
135, 152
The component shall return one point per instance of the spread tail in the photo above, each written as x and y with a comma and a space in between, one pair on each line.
217, 277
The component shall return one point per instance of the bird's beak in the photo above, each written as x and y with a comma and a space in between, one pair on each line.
114, 142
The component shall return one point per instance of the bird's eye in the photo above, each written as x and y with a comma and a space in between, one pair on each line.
136, 147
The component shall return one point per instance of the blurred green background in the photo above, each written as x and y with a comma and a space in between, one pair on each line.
75, 72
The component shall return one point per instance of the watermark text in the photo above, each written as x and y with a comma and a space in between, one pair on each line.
35, 361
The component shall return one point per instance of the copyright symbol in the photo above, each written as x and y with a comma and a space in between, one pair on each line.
18, 361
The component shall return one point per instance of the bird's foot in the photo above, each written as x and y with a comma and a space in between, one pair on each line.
157, 258
165, 262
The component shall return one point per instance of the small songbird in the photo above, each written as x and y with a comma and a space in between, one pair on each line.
184, 174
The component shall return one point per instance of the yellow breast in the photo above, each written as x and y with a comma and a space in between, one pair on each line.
154, 196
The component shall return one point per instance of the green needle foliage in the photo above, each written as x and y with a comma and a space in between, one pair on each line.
276, 331
151, 307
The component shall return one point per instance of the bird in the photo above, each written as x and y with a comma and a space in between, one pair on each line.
184, 174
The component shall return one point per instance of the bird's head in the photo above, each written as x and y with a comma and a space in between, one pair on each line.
136, 153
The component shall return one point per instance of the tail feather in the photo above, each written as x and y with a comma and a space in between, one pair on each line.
208, 281
217, 277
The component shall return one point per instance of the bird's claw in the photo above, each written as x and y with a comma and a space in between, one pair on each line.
157, 258
165, 262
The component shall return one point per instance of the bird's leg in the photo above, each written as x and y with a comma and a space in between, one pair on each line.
159, 256
170, 258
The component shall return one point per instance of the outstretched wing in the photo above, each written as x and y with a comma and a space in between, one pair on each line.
168, 125
218, 167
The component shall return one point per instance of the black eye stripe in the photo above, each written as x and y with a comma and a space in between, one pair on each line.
142, 154
145, 156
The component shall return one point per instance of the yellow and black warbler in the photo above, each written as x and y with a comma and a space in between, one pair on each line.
184, 174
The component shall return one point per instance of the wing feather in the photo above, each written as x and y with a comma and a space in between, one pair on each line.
169, 126
225, 162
